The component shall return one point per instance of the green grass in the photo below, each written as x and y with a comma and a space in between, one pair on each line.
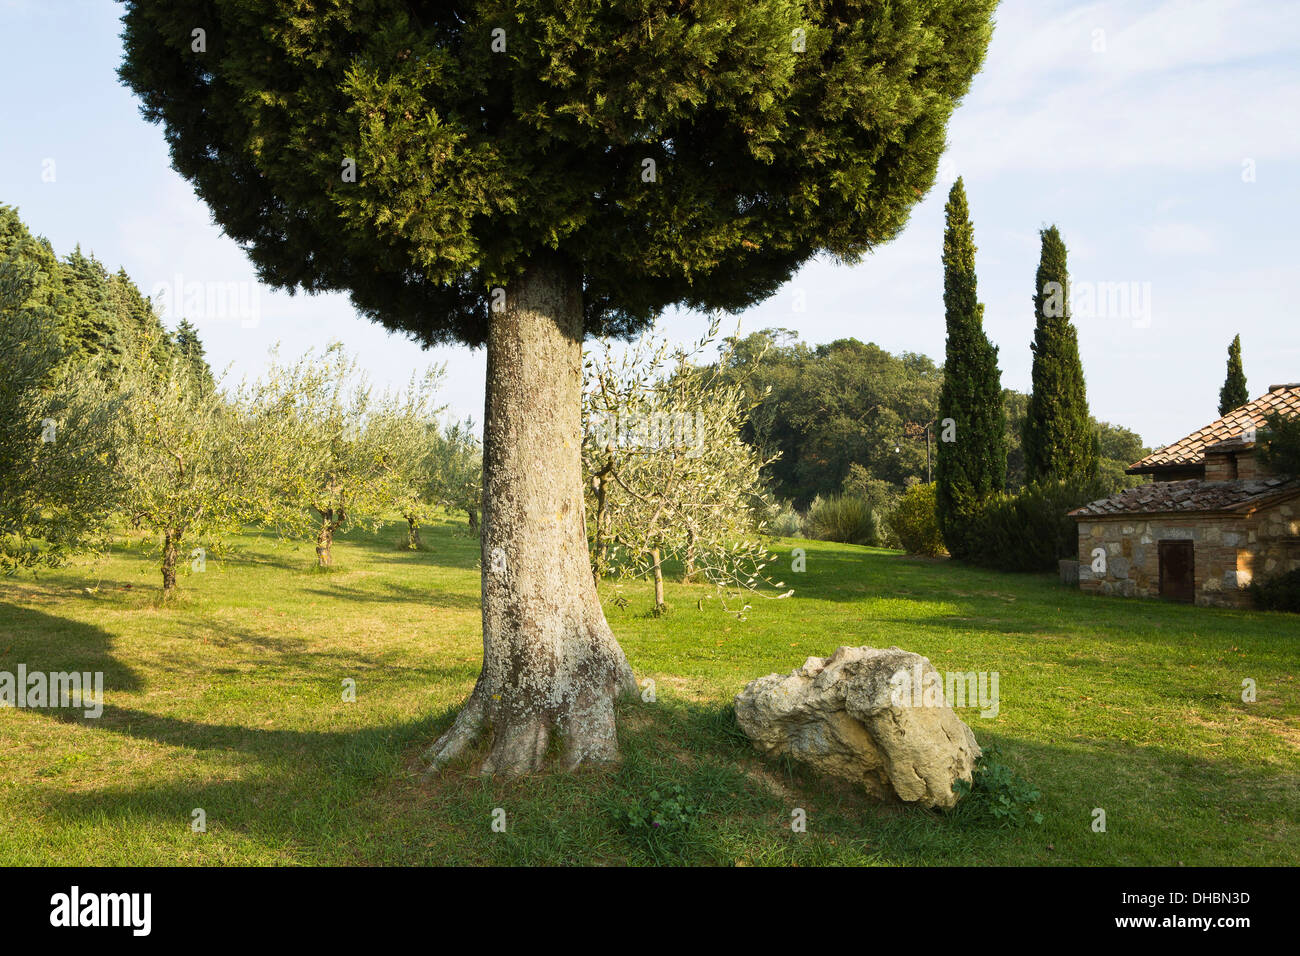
230, 700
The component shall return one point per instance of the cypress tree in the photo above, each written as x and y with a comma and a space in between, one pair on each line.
1233, 394
99, 316
1059, 439
523, 175
973, 465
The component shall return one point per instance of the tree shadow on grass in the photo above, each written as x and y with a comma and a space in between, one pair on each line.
442, 544
389, 592
264, 743
308, 799
971, 618
260, 649
47, 644
344, 796
1158, 623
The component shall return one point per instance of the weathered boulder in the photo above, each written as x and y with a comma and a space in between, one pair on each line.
867, 715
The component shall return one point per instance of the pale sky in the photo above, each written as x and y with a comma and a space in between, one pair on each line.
1163, 138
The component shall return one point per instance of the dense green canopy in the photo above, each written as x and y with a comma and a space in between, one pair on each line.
485, 134
827, 408
99, 316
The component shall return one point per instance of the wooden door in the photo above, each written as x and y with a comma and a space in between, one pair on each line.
1178, 571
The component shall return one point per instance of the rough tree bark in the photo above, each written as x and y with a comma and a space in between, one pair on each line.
171, 551
325, 542
550, 661
412, 534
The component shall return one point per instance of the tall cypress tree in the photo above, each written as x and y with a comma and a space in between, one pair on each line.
1233, 394
974, 464
1059, 440
100, 316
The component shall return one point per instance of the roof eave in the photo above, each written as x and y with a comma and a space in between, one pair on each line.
1140, 469
1235, 511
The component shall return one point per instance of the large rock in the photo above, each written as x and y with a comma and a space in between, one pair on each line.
859, 715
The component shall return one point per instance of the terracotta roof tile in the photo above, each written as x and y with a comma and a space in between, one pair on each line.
1193, 495
1191, 450
1232, 444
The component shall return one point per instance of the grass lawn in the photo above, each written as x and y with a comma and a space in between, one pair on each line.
230, 700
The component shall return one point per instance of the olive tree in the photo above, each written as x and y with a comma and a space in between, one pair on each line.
521, 175
457, 472
190, 464
403, 432
58, 441
671, 476
343, 453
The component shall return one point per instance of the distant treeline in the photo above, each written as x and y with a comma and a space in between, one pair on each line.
100, 317
850, 417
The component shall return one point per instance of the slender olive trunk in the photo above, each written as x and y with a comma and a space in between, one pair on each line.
689, 572
325, 544
412, 533
171, 551
602, 515
550, 661
473, 519
659, 579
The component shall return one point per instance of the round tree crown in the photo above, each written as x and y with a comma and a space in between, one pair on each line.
419, 154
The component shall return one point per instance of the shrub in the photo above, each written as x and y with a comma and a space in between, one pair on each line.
843, 518
915, 524
785, 521
881, 495
996, 794
1032, 530
1279, 593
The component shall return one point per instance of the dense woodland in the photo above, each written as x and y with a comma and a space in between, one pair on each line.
849, 416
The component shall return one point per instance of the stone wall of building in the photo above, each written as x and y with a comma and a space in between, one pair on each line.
1273, 546
1230, 551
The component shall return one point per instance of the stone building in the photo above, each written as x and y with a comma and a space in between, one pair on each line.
1212, 520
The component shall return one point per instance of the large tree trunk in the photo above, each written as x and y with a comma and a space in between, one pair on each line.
550, 661
171, 551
